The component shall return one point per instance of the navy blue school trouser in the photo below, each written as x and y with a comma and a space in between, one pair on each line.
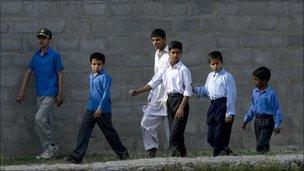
218, 137
263, 127
177, 127
105, 124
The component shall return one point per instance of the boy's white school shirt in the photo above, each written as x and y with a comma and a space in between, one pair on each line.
176, 79
157, 98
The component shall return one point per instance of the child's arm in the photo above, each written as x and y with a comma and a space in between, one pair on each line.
59, 99
231, 96
249, 115
152, 84
180, 111
201, 90
106, 84
277, 113
21, 94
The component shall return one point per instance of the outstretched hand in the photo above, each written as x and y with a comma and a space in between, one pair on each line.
276, 131
243, 126
133, 92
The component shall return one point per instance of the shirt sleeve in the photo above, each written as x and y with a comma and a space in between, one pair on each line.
31, 65
277, 111
187, 82
106, 84
57, 62
231, 96
156, 79
250, 114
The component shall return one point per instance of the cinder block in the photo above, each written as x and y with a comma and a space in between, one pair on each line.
276, 8
232, 41
252, 40
228, 8
95, 9
6, 26
26, 26
121, 9
155, 9
199, 8
175, 9
94, 44
274, 41
295, 40
252, 8
11, 7
11, 43
55, 25
39, 9
64, 43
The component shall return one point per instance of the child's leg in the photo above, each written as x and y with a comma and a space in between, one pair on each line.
149, 125
86, 126
216, 128
43, 120
105, 124
264, 128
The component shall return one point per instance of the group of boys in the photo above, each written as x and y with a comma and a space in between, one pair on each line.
168, 101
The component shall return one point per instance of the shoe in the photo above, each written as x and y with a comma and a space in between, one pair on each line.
151, 153
49, 152
124, 156
72, 159
229, 152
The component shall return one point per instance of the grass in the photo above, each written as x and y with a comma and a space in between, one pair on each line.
26, 160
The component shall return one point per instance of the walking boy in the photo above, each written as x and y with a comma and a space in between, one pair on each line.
221, 89
265, 108
48, 70
98, 111
155, 111
177, 82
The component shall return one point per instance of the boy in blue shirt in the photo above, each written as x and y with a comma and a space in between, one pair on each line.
98, 111
221, 89
265, 108
48, 70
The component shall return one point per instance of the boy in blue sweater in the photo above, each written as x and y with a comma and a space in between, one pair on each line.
265, 108
98, 111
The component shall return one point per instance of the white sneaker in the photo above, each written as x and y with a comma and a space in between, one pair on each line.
49, 152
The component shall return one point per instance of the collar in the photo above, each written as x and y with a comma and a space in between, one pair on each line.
178, 65
266, 90
48, 51
98, 73
219, 72
165, 50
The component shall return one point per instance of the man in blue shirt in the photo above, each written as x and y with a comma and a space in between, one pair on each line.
220, 87
265, 108
48, 70
98, 111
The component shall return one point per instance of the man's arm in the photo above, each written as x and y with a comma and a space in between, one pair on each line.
21, 94
138, 91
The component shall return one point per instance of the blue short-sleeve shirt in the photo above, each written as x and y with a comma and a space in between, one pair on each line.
45, 69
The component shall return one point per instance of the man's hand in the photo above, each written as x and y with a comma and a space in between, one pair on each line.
276, 131
20, 97
59, 100
228, 119
179, 113
133, 92
97, 113
243, 126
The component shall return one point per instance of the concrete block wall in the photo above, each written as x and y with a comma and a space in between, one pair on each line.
248, 33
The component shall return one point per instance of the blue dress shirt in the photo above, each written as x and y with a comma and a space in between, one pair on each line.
264, 102
100, 92
219, 84
45, 69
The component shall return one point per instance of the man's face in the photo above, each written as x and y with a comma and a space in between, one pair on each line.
96, 65
158, 43
174, 55
43, 41
215, 65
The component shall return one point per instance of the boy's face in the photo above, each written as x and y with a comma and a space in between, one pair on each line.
215, 65
43, 42
158, 43
174, 55
258, 82
96, 65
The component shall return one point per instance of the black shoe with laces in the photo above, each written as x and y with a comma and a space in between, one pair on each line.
72, 159
151, 153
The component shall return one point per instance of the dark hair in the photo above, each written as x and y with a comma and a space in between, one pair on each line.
98, 56
215, 55
158, 33
262, 73
176, 45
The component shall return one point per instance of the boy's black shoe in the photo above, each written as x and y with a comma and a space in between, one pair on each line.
72, 159
124, 156
229, 152
151, 153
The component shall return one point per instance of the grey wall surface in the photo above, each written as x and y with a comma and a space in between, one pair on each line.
248, 33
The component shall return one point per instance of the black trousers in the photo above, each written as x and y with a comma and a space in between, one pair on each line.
177, 127
219, 132
105, 124
263, 127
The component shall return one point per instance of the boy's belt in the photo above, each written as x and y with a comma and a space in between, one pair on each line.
174, 95
262, 116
